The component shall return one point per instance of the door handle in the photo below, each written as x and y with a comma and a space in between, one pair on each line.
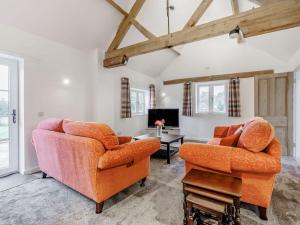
14, 115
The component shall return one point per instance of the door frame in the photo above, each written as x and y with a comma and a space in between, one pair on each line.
13, 104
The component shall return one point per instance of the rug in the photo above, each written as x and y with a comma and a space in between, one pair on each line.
48, 202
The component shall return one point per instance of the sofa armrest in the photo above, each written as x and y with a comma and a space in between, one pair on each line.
220, 131
130, 153
208, 156
124, 139
261, 162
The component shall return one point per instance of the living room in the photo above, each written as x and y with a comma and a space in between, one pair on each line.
148, 70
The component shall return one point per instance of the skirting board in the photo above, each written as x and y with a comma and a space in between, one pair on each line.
195, 139
31, 171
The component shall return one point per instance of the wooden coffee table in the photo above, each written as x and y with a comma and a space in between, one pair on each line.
165, 139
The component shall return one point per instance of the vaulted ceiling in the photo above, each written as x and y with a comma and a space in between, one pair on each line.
92, 24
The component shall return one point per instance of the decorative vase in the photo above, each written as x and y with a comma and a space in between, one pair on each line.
158, 131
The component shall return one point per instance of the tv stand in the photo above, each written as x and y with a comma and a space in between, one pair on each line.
165, 130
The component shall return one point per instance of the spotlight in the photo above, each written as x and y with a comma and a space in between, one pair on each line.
235, 33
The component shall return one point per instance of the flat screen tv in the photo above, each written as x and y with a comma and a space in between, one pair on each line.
171, 116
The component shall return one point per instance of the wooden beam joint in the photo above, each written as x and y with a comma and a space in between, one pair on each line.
115, 61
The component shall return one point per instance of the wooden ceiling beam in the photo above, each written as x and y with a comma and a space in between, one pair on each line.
137, 25
219, 77
125, 25
236, 10
198, 13
272, 17
235, 7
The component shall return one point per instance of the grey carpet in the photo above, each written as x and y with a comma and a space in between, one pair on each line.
48, 202
15, 180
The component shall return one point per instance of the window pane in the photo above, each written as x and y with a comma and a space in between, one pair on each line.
219, 105
133, 101
3, 102
3, 77
203, 99
141, 103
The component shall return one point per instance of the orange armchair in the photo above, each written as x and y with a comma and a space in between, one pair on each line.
256, 169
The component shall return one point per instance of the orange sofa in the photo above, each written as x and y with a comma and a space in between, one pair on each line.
90, 158
256, 160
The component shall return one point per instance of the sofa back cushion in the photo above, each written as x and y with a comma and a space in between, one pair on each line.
231, 140
98, 131
232, 129
51, 124
256, 136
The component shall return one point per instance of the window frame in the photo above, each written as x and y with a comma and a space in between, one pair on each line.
137, 104
210, 86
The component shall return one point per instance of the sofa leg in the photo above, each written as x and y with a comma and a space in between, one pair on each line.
99, 207
262, 213
44, 175
143, 182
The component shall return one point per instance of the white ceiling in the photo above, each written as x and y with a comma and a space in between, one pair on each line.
89, 24
82, 24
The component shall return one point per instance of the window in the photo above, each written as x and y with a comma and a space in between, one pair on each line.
211, 97
139, 101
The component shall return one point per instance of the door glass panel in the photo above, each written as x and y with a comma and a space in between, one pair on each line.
3, 77
4, 119
3, 103
4, 143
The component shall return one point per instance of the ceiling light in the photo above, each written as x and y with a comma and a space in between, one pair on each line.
163, 94
66, 81
235, 33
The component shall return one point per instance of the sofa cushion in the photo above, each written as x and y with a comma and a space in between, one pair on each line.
231, 140
220, 131
52, 124
98, 131
256, 136
233, 128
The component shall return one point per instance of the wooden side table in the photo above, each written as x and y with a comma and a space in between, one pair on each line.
212, 189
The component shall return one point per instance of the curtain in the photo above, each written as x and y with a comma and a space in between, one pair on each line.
125, 98
187, 99
234, 107
152, 96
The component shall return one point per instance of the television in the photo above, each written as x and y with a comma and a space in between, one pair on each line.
171, 117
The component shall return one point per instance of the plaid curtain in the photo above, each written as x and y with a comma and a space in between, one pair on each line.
152, 96
234, 107
187, 99
125, 98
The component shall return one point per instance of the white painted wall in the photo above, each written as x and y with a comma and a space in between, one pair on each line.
221, 55
46, 63
297, 113
202, 127
106, 100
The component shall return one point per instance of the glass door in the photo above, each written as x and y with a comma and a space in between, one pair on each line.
8, 116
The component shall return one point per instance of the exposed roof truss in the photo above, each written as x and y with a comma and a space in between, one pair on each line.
272, 16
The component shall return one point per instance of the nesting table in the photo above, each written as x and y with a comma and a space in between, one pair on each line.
211, 196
